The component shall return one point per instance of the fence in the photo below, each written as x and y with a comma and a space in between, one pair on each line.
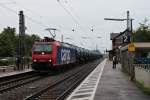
9, 63
142, 74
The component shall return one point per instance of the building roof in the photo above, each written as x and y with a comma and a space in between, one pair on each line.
116, 35
113, 35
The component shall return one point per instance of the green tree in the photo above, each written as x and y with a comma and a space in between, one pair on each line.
142, 34
8, 42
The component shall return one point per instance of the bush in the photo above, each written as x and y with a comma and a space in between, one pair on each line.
27, 60
12, 61
7, 61
142, 87
4, 62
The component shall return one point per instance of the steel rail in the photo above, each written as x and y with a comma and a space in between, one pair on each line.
15, 76
72, 87
18, 79
58, 82
22, 82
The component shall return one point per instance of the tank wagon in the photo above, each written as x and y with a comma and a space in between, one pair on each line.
49, 54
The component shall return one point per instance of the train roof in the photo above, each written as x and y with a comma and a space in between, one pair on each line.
47, 40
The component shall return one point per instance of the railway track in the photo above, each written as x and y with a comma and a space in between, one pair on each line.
59, 84
15, 76
61, 88
11, 84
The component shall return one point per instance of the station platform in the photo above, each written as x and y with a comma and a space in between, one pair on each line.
5, 74
105, 83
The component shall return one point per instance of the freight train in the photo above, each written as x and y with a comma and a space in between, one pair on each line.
50, 54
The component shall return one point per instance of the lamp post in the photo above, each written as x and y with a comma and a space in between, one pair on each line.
129, 23
128, 27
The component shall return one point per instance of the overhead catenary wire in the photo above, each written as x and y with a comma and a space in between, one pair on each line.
26, 16
19, 5
7, 2
29, 10
69, 13
1, 5
73, 12
33, 20
29, 18
14, 2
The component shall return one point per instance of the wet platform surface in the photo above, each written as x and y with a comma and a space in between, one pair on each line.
105, 83
116, 85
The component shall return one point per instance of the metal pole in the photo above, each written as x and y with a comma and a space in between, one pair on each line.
132, 55
132, 40
21, 40
62, 38
128, 21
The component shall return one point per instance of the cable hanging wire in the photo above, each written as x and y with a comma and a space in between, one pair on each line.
68, 12
1, 5
19, 5
12, 2
29, 18
29, 10
73, 12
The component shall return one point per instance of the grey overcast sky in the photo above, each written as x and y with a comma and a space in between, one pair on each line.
80, 15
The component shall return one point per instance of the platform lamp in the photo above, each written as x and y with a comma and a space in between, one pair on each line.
130, 28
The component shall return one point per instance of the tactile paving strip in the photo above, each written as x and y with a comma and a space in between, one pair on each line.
86, 90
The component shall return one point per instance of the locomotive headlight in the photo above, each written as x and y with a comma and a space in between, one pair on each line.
34, 60
49, 60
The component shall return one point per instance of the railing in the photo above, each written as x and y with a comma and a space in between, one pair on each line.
4, 68
142, 74
7, 61
12, 68
143, 66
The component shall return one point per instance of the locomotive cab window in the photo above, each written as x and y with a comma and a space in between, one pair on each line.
42, 47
